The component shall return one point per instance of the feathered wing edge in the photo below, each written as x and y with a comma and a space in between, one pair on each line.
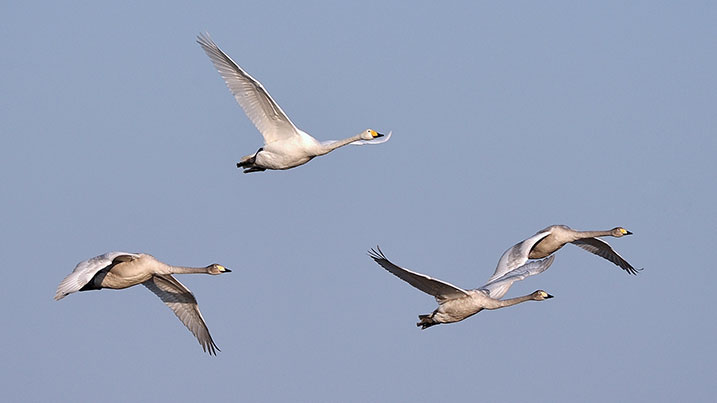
182, 302
439, 289
604, 250
499, 287
266, 115
84, 271
516, 255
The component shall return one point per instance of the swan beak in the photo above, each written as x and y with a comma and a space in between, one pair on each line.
378, 134
549, 296
628, 232
224, 269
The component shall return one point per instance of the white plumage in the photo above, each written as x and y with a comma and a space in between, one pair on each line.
554, 237
456, 304
285, 145
118, 270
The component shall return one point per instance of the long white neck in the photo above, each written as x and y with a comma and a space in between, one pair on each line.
593, 234
502, 303
185, 270
329, 146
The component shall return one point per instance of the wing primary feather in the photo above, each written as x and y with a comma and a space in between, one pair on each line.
439, 289
86, 270
266, 115
603, 249
500, 286
184, 305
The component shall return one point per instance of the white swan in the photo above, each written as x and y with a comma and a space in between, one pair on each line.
285, 145
119, 270
456, 304
555, 237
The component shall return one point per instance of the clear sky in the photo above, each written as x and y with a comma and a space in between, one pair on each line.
118, 134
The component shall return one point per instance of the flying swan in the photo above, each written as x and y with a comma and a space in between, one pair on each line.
549, 240
119, 270
456, 304
285, 145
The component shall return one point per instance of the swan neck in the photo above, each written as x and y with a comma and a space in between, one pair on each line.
502, 303
340, 143
593, 234
185, 270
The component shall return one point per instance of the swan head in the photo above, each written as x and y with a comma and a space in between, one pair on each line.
370, 134
541, 295
215, 268
617, 232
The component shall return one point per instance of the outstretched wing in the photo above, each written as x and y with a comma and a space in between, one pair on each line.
258, 105
498, 287
439, 289
604, 250
517, 255
181, 301
85, 270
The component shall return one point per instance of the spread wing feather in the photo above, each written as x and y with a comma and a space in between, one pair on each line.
499, 287
516, 256
181, 301
439, 289
264, 113
85, 270
604, 250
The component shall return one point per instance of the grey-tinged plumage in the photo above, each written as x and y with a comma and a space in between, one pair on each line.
550, 239
118, 270
456, 304
285, 145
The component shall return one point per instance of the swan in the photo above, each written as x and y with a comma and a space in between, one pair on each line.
285, 145
552, 238
119, 270
456, 304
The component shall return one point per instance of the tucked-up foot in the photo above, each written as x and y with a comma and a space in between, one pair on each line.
426, 321
254, 169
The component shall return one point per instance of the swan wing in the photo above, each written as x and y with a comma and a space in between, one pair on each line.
517, 255
85, 270
604, 250
258, 105
439, 289
378, 140
181, 301
498, 287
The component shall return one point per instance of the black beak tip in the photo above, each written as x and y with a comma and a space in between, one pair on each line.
549, 296
379, 134
227, 270
628, 233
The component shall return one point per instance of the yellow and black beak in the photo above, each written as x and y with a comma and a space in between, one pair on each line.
549, 296
377, 134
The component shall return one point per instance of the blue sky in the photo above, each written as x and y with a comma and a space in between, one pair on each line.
118, 134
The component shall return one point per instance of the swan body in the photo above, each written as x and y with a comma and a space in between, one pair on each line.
285, 145
118, 270
456, 304
550, 239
